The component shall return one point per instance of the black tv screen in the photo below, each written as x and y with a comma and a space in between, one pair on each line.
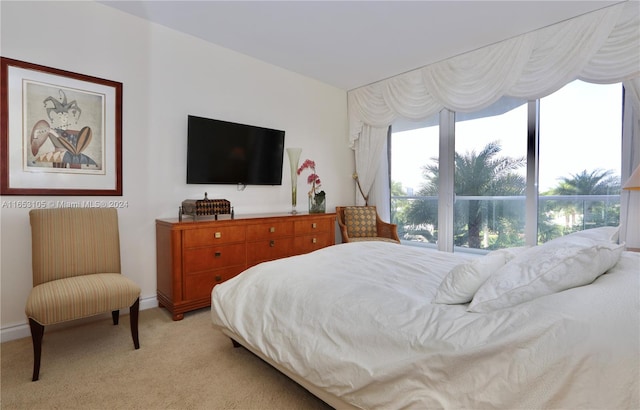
221, 152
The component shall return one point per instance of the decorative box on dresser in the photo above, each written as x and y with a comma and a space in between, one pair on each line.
193, 256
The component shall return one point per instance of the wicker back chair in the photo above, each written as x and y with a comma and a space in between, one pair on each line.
362, 223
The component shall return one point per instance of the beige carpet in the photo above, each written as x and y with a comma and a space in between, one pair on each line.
180, 365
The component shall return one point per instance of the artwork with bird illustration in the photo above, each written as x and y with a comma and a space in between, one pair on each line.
65, 127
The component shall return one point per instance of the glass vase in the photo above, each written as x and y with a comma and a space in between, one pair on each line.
294, 158
317, 204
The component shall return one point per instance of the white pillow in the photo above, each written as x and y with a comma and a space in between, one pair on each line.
601, 234
557, 265
462, 282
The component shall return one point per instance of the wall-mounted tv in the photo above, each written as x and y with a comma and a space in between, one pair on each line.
221, 152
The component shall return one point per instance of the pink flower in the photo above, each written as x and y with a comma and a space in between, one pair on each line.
307, 164
313, 178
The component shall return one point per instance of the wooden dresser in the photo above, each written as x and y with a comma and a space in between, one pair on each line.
194, 256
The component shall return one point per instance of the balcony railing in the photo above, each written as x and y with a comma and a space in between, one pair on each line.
492, 222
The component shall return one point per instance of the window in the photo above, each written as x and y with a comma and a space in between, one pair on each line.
580, 159
578, 176
490, 177
414, 191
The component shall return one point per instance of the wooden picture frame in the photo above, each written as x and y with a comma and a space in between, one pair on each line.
60, 132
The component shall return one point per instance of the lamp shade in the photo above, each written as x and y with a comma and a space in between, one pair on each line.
633, 183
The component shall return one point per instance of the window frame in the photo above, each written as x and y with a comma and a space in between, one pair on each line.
446, 190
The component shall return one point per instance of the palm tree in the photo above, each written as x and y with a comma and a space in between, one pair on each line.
481, 173
422, 212
398, 206
596, 182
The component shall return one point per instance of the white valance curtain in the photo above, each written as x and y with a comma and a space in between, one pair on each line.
601, 47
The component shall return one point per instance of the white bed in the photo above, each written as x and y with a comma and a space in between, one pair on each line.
357, 325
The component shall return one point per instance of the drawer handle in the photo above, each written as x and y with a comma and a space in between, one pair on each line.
218, 254
217, 235
313, 225
272, 229
218, 278
314, 240
272, 243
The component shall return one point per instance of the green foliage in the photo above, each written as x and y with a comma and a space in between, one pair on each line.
582, 214
508, 234
397, 189
483, 173
596, 182
494, 224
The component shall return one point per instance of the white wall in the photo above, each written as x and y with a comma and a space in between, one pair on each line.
166, 75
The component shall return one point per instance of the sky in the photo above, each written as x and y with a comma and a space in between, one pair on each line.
580, 128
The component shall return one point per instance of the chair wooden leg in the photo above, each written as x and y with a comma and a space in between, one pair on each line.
133, 319
115, 315
37, 332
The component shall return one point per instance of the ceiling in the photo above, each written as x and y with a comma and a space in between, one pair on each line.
349, 44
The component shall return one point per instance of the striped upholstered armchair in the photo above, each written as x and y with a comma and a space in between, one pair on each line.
362, 223
76, 271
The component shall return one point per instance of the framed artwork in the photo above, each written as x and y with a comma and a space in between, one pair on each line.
60, 132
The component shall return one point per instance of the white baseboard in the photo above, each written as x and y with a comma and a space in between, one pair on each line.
21, 330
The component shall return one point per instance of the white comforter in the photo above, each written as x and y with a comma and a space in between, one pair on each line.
357, 320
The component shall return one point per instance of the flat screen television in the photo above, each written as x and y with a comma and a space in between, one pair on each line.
222, 152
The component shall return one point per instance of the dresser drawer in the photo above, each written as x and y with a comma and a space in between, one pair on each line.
314, 225
213, 257
310, 243
193, 256
267, 250
269, 230
199, 285
212, 236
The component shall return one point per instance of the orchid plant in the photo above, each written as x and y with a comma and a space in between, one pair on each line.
315, 196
